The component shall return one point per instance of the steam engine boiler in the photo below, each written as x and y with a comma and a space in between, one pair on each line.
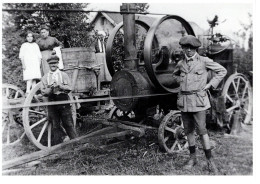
141, 58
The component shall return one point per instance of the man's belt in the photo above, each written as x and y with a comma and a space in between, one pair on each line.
190, 92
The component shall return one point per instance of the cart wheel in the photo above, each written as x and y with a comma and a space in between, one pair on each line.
35, 120
12, 129
171, 134
237, 94
10, 92
118, 114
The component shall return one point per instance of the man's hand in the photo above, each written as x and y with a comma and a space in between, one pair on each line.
50, 86
55, 85
206, 87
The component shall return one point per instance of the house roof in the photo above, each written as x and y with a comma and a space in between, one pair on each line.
116, 18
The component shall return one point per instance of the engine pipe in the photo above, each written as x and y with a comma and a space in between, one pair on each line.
130, 60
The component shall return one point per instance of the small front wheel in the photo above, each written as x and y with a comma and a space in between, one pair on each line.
171, 136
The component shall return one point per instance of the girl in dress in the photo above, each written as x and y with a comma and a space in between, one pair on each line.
30, 56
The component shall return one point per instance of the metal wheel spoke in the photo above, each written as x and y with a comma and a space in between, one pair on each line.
7, 92
8, 135
23, 134
16, 95
49, 135
179, 146
230, 99
166, 139
131, 115
37, 112
238, 82
244, 91
35, 97
244, 100
234, 85
186, 145
170, 129
246, 111
174, 145
38, 122
42, 131
232, 108
3, 128
115, 115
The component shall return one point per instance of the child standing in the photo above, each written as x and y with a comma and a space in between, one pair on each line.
30, 56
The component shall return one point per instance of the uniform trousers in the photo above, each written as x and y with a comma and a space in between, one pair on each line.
194, 120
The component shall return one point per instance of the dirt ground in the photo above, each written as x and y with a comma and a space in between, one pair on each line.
233, 156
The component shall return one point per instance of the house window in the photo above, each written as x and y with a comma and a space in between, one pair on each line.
103, 20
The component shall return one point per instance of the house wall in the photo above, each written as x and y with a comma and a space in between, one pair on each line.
102, 24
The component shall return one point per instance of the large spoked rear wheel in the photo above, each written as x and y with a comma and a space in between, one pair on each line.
36, 123
238, 95
171, 136
12, 128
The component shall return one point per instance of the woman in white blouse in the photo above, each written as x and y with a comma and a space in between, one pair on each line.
30, 56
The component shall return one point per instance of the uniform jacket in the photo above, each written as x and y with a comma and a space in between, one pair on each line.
65, 85
194, 79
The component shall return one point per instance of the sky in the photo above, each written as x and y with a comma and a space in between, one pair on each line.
234, 12
231, 13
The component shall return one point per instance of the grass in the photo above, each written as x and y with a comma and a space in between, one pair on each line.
233, 156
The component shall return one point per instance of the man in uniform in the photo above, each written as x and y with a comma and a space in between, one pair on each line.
56, 85
193, 101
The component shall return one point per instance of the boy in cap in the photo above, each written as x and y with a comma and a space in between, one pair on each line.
193, 101
56, 85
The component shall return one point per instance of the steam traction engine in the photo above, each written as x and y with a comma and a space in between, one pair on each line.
144, 72
143, 66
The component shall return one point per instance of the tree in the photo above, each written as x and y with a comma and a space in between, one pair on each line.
142, 7
243, 57
71, 28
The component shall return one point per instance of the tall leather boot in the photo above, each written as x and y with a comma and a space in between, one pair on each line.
193, 159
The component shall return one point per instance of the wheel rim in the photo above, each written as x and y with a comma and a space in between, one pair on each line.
237, 94
115, 47
154, 75
171, 134
12, 129
35, 120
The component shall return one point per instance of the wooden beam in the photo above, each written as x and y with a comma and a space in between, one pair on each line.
63, 147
